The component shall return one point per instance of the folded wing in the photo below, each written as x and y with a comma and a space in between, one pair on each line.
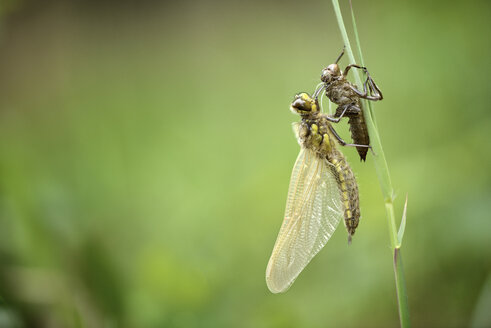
313, 211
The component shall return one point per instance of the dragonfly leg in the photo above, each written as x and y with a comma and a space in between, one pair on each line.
346, 70
374, 88
341, 55
339, 117
373, 92
344, 143
349, 109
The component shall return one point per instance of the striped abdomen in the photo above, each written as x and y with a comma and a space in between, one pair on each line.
349, 192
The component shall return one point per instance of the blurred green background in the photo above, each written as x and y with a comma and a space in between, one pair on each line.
146, 149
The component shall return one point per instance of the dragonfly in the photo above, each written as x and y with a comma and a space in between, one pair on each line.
322, 192
346, 95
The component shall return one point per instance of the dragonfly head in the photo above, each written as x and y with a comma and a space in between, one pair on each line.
330, 73
304, 104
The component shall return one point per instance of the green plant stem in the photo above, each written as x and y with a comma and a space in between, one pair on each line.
382, 170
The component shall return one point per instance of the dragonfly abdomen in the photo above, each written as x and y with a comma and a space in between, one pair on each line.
349, 193
359, 134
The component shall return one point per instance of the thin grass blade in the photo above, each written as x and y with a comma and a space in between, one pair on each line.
402, 227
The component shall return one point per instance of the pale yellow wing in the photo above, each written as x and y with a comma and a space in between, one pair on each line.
313, 211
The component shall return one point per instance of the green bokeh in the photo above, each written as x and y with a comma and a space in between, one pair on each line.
146, 148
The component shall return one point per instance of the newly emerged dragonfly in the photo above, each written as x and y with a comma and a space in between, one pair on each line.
322, 191
343, 93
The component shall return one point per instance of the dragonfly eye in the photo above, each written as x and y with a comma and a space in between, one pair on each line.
329, 73
300, 105
326, 75
303, 103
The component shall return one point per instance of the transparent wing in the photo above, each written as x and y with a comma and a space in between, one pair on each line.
313, 211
